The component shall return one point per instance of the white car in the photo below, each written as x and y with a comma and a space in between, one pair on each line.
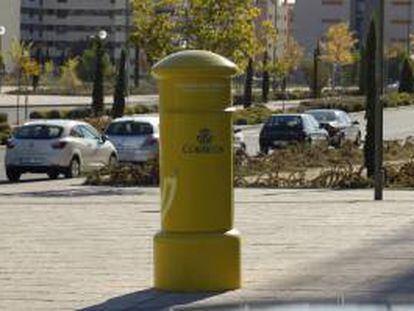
238, 141
136, 138
57, 147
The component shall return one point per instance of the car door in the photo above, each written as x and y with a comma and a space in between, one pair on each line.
348, 128
80, 144
313, 130
101, 151
91, 158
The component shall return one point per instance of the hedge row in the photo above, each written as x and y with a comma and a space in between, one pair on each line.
82, 113
357, 103
252, 115
4, 128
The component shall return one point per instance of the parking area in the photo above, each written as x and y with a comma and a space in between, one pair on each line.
65, 246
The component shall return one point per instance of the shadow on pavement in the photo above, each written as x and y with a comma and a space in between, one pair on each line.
150, 299
376, 273
24, 181
101, 191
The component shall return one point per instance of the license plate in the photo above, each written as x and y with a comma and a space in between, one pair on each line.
279, 143
30, 160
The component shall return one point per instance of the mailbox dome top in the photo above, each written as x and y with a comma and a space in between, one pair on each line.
194, 63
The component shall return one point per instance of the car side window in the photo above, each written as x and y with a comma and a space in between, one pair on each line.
76, 132
344, 119
309, 125
314, 122
87, 133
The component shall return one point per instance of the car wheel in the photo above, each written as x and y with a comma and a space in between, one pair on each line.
113, 161
358, 140
264, 150
13, 175
243, 147
53, 174
74, 169
338, 143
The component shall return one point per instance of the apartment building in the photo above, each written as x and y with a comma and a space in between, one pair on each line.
313, 18
63, 28
10, 20
284, 25
280, 14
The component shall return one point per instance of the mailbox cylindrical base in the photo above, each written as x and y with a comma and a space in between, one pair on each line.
192, 262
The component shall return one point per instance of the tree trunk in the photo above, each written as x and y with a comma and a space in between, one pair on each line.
371, 99
265, 80
120, 89
137, 67
248, 84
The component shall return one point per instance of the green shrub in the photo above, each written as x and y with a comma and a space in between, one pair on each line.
252, 115
3, 117
141, 109
4, 127
5, 131
346, 103
398, 99
79, 113
129, 110
53, 114
37, 115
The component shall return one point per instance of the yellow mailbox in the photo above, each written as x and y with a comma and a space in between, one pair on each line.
197, 248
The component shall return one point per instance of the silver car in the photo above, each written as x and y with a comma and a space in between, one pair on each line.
57, 147
136, 138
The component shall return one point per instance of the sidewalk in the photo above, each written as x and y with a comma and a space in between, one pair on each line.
74, 247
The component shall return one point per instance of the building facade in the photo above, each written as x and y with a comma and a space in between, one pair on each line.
64, 28
284, 25
10, 20
313, 18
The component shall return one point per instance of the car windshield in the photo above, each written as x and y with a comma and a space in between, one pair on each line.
323, 116
129, 128
38, 131
285, 122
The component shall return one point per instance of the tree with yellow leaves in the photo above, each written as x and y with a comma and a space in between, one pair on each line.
339, 44
289, 61
69, 79
155, 27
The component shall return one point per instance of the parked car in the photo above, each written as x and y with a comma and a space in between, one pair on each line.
57, 147
281, 130
136, 138
238, 141
339, 126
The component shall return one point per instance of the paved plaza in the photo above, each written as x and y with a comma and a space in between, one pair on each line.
64, 246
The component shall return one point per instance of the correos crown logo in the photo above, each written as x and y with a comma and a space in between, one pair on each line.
204, 137
204, 144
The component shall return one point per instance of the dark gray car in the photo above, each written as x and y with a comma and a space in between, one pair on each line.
339, 126
281, 130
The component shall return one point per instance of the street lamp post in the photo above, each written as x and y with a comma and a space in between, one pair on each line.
2, 33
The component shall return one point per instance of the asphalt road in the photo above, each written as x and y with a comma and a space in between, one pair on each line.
398, 124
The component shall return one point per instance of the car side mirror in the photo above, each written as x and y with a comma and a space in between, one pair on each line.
104, 138
355, 123
237, 131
